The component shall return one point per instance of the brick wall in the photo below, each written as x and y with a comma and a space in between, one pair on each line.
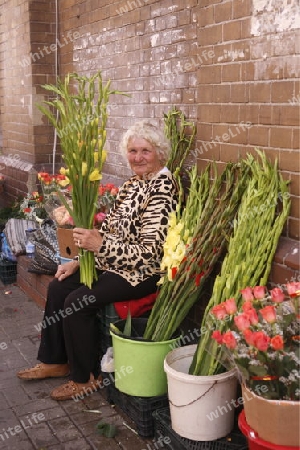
232, 66
252, 78
27, 31
237, 77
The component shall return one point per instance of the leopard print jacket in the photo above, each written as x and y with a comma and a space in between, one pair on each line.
136, 227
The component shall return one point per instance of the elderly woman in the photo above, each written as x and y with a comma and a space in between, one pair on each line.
128, 250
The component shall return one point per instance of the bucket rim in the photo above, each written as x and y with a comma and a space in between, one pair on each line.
141, 341
186, 377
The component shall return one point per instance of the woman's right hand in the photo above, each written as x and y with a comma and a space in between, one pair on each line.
67, 269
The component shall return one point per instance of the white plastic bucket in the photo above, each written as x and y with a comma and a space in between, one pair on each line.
201, 407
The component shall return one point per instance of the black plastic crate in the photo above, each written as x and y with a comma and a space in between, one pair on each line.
107, 316
172, 441
139, 409
8, 271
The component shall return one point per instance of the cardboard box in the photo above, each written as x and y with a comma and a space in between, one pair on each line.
275, 421
67, 247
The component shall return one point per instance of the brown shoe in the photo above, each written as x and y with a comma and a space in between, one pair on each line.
75, 391
41, 371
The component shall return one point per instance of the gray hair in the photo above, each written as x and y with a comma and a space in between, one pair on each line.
151, 133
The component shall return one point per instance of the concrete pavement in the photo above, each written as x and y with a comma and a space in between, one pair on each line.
29, 418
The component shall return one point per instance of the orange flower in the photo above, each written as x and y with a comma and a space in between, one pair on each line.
277, 342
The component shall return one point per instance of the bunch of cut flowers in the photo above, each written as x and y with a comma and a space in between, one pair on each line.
107, 194
79, 115
32, 207
261, 339
51, 184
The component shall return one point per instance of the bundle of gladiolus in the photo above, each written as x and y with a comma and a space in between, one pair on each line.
197, 236
251, 248
262, 339
81, 104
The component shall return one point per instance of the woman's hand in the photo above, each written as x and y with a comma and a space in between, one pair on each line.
87, 239
65, 270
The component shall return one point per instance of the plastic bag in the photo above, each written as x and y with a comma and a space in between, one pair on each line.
6, 252
107, 361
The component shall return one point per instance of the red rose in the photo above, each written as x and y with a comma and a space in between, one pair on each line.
249, 336
261, 341
259, 292
230, 306
242, 321
247, 293
219, 311
293, 288
268, 313
252, 316
217, 336
277, 295
229, 340
246, 306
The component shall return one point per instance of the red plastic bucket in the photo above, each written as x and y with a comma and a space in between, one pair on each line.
254, 442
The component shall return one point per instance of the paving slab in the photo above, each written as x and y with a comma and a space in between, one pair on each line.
29, 418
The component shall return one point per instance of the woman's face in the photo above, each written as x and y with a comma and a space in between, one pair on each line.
143, 157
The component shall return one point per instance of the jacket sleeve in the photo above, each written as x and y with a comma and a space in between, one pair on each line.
145, 247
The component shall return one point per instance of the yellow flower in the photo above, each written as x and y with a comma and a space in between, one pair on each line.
96, 157
64, 183
95, 175
103, 157
83, 168
63, 171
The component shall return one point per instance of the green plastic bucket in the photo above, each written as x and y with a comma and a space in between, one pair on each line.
139, 364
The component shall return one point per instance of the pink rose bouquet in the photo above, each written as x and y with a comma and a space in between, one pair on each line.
262, 339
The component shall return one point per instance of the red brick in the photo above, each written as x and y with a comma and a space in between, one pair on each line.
290, 115
223, 12
288, 160
294, 186
231, 72
241, 8
229, 153
209, 74
260, 92
209, 113
294, 228
229, 114
210, 35
221, 93
281, 274
282, 91
232, 31
205, 16
281, 137
239, 92
259, 136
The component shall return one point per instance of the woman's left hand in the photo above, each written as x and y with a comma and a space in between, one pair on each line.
87, 239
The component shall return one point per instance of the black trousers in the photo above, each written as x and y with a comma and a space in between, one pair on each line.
70, 332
